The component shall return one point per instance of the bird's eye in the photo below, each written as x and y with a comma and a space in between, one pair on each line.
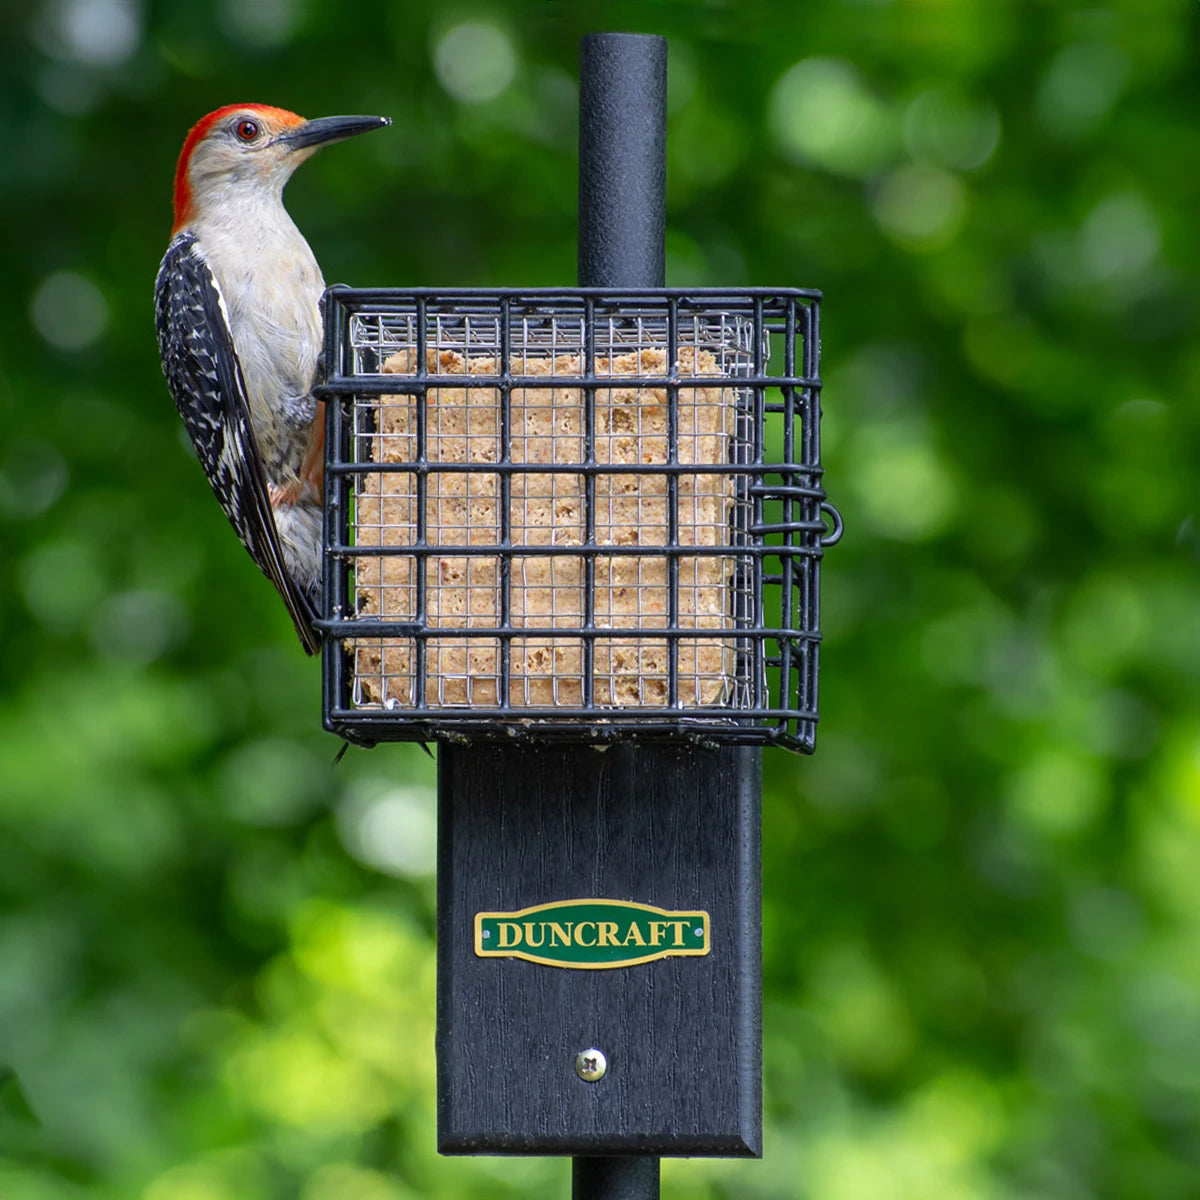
247, 131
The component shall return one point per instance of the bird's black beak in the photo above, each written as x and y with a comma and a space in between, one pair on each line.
331, 129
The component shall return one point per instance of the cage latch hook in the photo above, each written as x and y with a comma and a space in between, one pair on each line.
833, 534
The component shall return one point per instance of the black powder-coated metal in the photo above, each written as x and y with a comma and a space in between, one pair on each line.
618, 1178
622, 160
779, 526
676, 827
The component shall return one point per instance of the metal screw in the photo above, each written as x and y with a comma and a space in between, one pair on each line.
590, 1065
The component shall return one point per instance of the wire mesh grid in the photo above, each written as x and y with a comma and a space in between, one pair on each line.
573, 514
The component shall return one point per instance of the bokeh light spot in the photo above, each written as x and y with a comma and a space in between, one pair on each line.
97, 33
1058, 792
475, 61
223, 1175
32, 477
903, 489
863, 1016
69, 90
1106, 922
139, 626
62, 584
1081, 85
391, 828
921, 208
878, 378
296, 1078
271, 782
821, 113
1120, 238
345, 1181
944, 128
69, 310
262, 23
1105, 624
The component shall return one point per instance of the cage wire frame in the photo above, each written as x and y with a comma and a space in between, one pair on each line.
731, 654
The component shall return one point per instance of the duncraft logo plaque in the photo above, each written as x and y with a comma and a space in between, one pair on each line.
591, 935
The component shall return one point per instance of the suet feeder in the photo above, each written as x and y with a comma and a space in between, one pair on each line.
575, 536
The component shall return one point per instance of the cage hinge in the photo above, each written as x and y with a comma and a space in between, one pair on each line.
831, 533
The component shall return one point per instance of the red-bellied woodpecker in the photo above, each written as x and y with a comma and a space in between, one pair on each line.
239, 331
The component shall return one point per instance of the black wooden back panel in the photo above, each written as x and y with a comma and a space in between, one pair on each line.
678, 828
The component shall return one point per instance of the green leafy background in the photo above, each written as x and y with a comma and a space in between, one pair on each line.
982, 895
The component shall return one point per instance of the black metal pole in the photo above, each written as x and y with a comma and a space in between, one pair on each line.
621, 1178
622, 160
622, 238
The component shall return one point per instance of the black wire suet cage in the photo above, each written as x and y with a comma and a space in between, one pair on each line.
573, 514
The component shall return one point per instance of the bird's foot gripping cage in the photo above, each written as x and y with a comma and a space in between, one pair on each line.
573, 514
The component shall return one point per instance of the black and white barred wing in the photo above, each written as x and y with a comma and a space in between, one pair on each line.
205, 379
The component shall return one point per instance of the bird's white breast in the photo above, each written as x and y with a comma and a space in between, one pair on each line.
272, 286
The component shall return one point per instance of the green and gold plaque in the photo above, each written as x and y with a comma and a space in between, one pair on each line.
591, 935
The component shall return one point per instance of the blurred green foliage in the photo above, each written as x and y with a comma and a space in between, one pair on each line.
982, 905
